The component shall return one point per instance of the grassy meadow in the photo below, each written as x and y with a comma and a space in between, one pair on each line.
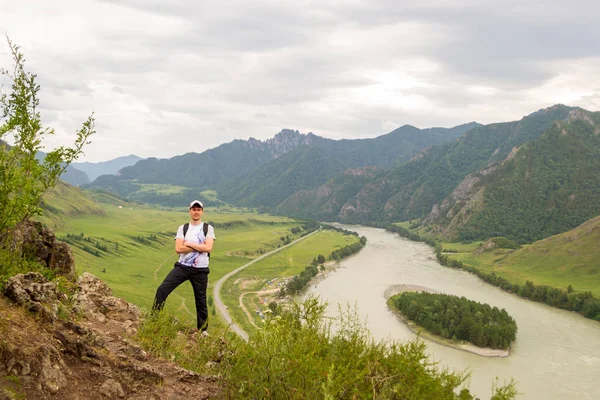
570, 258
160, 188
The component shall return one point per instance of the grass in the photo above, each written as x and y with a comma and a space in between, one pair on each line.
570, 258
209, 195
66, 200
460, 247
160, 188
553, 267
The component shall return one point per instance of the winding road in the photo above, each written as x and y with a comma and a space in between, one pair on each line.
217, 289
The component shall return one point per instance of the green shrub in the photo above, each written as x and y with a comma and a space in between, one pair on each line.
504, 243
12, 264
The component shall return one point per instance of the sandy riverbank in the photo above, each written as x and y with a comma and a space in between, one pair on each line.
421, 332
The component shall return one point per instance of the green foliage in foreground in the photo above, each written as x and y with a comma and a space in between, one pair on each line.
454, 317
12, 264
297, 355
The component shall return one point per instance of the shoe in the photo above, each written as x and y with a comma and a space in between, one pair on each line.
204, 334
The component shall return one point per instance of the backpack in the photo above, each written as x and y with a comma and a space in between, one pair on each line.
204, 229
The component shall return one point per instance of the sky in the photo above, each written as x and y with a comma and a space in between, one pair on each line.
164, 78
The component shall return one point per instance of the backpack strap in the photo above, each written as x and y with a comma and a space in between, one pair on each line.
186, 226
205, 229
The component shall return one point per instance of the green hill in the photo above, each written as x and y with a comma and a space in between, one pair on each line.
569, 258
548, 186
271, 183
65, 200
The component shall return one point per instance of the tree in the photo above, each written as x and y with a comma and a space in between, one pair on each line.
569, 289
23, 178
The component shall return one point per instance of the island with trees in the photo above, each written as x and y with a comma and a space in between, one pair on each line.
458, 319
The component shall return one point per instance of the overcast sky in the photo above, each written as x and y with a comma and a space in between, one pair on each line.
169, 77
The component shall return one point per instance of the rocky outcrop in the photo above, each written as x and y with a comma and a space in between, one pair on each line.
287, 140
31, 240
91, 357
464, 201
35, 293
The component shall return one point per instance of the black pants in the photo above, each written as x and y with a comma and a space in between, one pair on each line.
199, 280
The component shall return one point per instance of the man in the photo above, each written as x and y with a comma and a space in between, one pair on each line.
193, 247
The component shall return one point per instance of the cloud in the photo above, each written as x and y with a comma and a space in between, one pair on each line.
167, 78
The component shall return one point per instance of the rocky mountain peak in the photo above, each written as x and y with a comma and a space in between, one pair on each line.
287, 140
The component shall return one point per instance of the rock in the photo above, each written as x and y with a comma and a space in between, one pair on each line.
33, 241
30, 290
112, 389
61, 259
86, 356
51, 375
91, 284
96, 302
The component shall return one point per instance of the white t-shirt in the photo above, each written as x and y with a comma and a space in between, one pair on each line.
195, 234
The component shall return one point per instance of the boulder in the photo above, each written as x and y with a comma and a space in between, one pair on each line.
32, 241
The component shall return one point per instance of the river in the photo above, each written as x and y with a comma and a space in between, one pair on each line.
556, 354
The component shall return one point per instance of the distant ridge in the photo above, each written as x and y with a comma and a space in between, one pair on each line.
410, 191
110, 167
229, 167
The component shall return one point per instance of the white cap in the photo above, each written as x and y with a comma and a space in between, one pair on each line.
197, 203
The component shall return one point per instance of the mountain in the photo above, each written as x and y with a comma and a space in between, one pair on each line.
411, 190
269, 184
111, 167
325, 203
544, 187
74, 176
71, 175
245, 171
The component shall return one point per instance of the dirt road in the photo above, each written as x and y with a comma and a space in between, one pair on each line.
222, 309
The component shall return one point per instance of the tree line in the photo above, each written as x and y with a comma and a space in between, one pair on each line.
458, 318
299, 282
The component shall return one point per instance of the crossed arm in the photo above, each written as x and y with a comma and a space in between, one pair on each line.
185, 246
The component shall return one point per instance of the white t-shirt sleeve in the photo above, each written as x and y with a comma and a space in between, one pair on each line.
211, 232
179, 234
